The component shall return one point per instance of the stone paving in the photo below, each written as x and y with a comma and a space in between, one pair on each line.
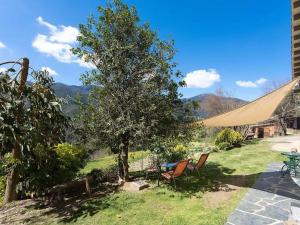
268, 201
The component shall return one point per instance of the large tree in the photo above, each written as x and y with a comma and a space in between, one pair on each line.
135, 98
30, 118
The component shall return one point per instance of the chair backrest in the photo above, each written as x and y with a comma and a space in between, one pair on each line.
180, 167
202, 160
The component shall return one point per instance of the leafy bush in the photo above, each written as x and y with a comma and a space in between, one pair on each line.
71, 160
51, 166
228, 138
224, 146
175, 154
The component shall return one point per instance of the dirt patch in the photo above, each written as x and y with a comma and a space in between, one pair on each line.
222, 195
23, 211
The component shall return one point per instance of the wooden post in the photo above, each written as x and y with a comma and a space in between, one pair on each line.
13, 177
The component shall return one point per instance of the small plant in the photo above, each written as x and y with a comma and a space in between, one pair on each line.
175, 154
198, 147
2, 188
228, 138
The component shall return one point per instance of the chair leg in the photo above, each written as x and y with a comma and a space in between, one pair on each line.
282, 171
174, 183
186, 175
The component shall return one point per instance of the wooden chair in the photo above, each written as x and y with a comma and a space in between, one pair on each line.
177, 172
201, 162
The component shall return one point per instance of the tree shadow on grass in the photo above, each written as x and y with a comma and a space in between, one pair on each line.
214, 177
78, 206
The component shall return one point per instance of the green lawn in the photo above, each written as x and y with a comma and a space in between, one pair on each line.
197, 200
108, 161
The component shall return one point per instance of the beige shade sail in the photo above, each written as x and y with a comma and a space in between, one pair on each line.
254, 112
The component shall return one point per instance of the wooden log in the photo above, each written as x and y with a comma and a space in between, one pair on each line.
57, 193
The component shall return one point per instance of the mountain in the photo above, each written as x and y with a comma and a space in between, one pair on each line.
211, 104
73, 92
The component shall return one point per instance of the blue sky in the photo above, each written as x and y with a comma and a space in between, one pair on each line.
238, 45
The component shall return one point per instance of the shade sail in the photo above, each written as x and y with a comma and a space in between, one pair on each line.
254, 112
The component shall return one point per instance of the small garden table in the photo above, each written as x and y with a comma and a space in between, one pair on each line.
168, 166
293, 162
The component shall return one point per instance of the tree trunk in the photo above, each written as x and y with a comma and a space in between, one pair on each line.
120, 166
283, 126
13, 177
123, 160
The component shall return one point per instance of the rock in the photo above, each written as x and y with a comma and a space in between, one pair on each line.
135, 185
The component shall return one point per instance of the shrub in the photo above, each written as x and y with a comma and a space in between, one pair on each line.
52, 166
228, 138
175, 154
71, 160
224, 146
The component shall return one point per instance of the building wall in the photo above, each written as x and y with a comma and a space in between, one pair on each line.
295, 5
265, 131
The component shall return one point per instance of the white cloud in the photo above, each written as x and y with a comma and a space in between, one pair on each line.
246, 84
251, 84
2, 45
261, 81
60, 51
50, 71
42, 22
2, 70
61, 34
202, 78
58, 43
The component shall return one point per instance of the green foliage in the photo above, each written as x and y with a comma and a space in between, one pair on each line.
175, 154
2, 188
187, 203
71, 160
224, 146
34, 119
51, 166
228, 138
135, 96
198, 147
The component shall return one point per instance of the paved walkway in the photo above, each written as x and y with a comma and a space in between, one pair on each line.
285, 143
268, 202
